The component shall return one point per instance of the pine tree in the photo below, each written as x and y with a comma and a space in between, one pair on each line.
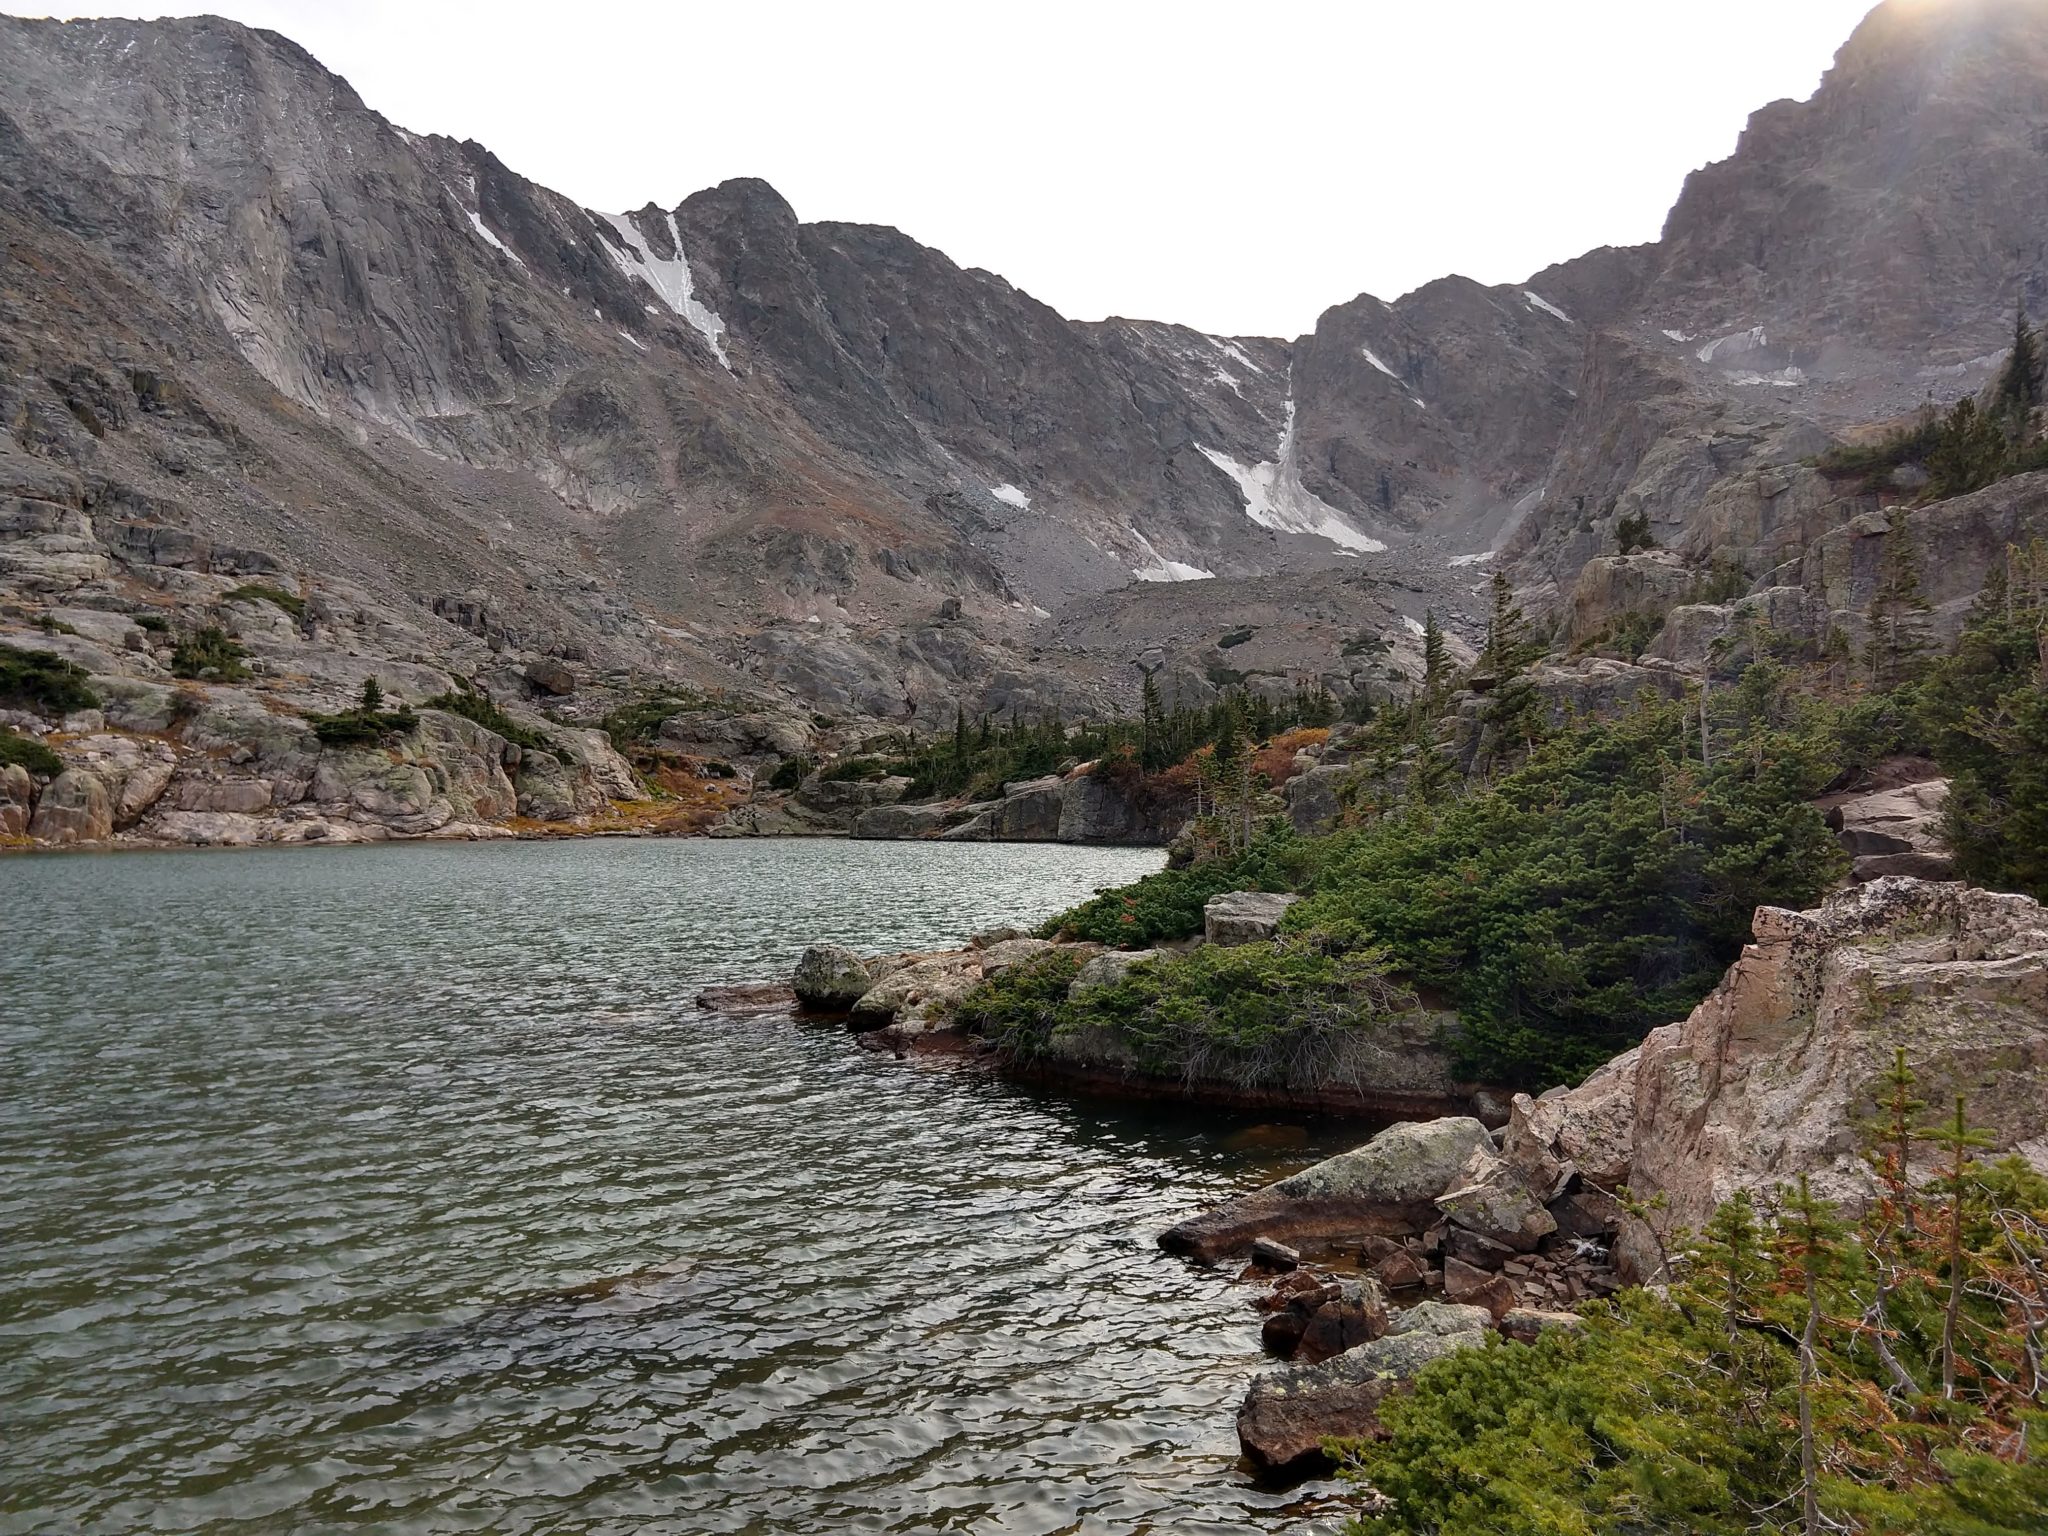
373, 697
1957, 1137
1509, 644
959, 733
1436, 658
1152, 736
1969, 451
2019, 386
1812, 1240
1897, 607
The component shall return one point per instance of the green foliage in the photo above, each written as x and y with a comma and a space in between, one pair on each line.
50, 624
1686, 1413
368, 722
474, 704
277, 597
26, 752
1908, 445
790, 772
1627, 634
858, 770
1595, 892
1969, 453
1255, 1015
2018, 391
44, 682
153, 623
209, 654
1632, 534
635, 724
1984, 713
1168, 905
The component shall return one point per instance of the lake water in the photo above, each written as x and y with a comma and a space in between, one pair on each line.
319, 1170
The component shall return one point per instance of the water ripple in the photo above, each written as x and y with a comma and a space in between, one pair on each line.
405, 1189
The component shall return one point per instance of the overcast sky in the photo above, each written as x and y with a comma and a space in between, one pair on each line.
1236, 167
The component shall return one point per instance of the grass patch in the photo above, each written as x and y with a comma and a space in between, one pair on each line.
277, 597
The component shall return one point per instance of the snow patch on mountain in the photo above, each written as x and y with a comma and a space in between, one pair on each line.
1735, 344
1009, 495
1275, 498
669, 277
476, 222
1162, 569
1235, 353
1537, 301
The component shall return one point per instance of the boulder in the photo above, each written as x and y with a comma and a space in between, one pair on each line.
1107, 969
17, 800
830, 979
1495, 1203
1526, 1324
1356, 1315
1314, 804
550, 675
1589, 1130
919, 996
74, 807
1896, 831
1000, 956
1291, 1410
1029, 812
1387, 1186
1243, 917
1400, 1270
1267, 1254
1475, 1287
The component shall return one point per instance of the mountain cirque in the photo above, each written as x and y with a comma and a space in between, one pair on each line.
248, 327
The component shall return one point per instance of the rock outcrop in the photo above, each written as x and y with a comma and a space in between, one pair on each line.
1773, 1076
1388, 1186
1244, 917
1291, 1410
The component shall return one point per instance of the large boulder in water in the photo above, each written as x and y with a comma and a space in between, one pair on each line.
1387, 1187
1290, 1411
830, 978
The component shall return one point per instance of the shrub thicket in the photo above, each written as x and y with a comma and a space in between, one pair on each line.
474, 704
1918, 1411
26, 752
1251, 1016
261, 592
209, 654
44, 682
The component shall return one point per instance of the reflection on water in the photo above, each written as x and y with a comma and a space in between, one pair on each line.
405, 1189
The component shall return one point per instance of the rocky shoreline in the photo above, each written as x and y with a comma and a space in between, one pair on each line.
1501, 1214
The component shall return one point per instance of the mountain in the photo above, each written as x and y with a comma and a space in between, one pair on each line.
823, 468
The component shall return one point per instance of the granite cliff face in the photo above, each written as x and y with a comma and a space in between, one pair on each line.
246, 324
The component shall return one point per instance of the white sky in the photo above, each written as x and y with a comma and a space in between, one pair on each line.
1236, 167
